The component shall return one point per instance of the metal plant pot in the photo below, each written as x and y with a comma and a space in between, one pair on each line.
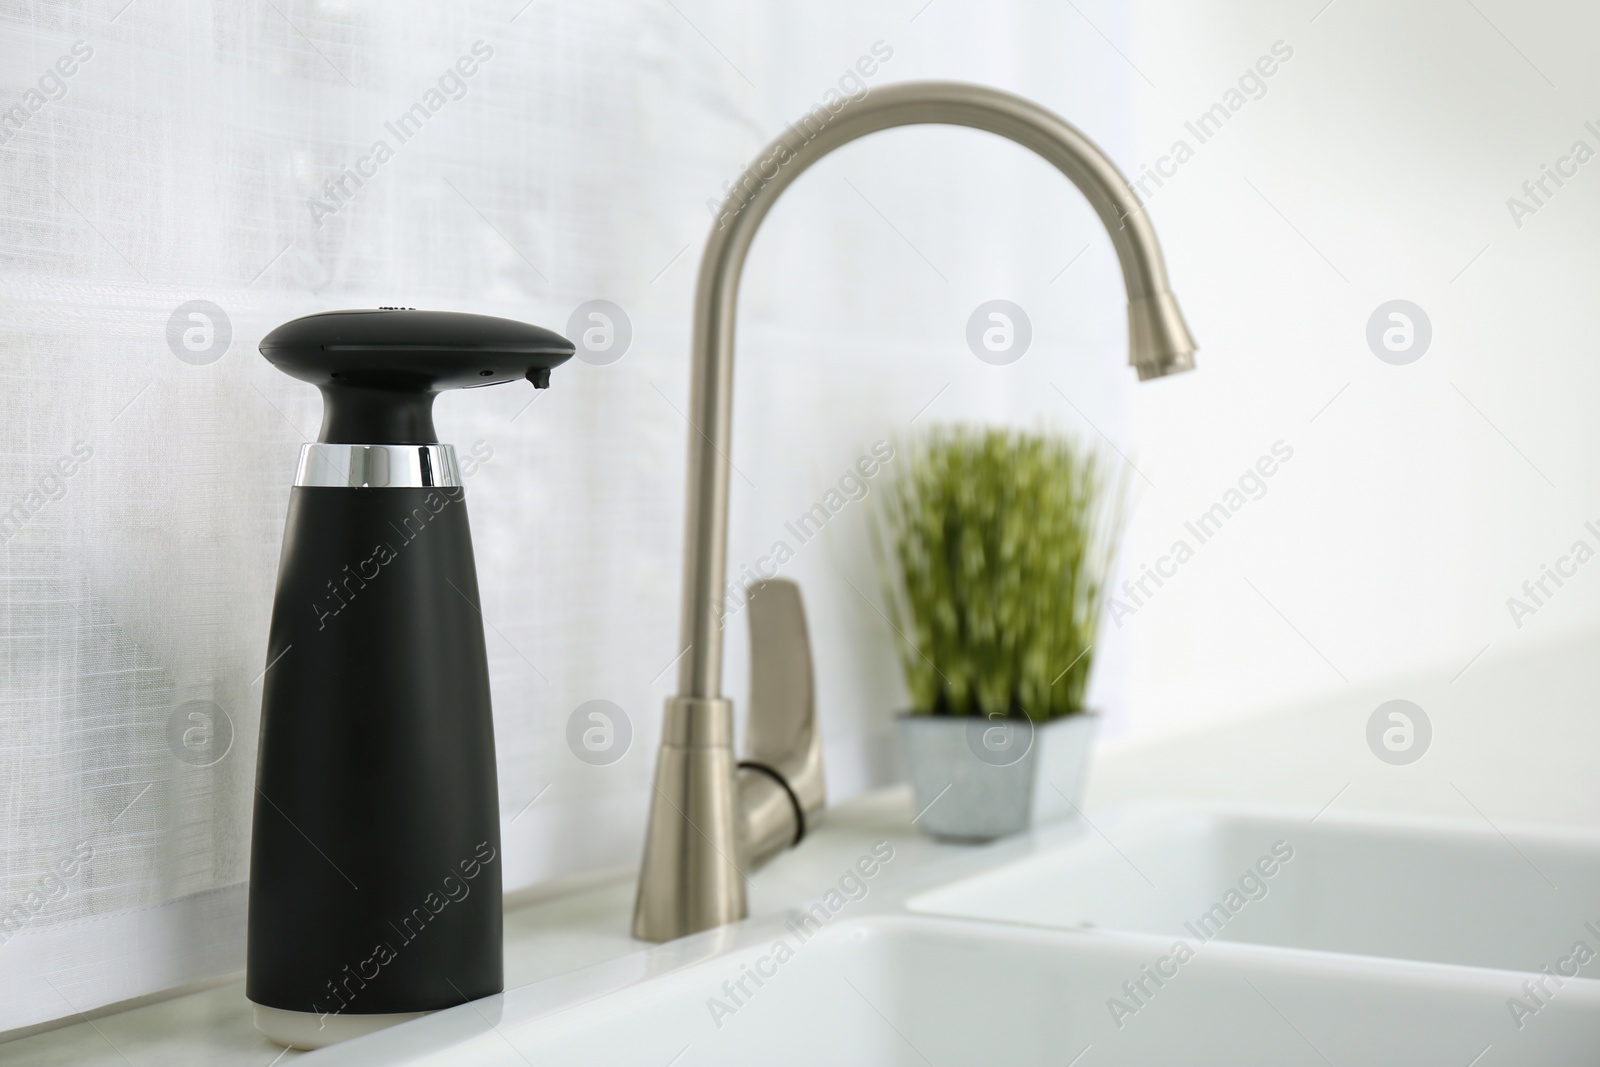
977, 779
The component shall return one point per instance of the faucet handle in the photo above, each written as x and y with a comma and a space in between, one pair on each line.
781, 787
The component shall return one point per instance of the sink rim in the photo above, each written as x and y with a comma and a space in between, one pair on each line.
562, 998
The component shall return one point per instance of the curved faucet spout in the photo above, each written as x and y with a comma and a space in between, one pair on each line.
711, 817
1158, 340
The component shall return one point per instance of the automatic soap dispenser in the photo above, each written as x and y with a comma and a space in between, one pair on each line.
375, 859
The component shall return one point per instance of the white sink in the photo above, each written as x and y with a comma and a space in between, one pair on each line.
1440, 892
1377, 942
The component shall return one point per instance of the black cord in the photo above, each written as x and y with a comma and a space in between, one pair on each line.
799, 813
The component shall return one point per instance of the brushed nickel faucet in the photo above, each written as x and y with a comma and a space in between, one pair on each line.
714, 818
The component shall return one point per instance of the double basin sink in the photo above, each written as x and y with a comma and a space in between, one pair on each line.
1182, 935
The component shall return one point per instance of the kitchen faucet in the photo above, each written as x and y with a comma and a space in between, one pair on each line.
714, 818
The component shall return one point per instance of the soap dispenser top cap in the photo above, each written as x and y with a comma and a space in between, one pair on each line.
380, 368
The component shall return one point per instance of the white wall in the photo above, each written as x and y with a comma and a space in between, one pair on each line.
1422, 498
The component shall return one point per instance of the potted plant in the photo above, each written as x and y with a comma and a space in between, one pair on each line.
994, 546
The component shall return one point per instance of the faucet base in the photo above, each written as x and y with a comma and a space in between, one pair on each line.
691, 878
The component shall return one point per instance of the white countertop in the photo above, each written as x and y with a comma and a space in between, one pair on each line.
1514, 741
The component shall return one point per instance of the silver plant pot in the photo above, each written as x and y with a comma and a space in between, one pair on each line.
977, 779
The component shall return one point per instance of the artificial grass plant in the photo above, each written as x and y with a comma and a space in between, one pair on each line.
994, 546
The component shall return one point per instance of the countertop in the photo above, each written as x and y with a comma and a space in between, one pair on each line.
1515, 740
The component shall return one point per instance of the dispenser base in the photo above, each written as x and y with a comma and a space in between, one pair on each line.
308, 1030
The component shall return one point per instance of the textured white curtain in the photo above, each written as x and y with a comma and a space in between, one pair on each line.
180, 177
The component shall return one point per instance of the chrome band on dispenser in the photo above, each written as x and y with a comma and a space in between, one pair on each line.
377, 466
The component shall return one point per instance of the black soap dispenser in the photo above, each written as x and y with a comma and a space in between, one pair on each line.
375, 861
